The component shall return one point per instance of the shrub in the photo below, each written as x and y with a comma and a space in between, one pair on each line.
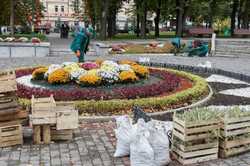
38, 74
90, 80
128, 76
59, 76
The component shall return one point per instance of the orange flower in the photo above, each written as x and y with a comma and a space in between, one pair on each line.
141, 71
59, 76
38, 74
128, 62
128, 76
90, 79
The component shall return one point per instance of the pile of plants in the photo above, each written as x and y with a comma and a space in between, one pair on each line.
20, 39
91, 73
153, 47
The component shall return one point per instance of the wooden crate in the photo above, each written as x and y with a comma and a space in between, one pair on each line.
232, 139
43, 111
66, 117
61, 135
11, 134
41, 134
8, 81
193, 143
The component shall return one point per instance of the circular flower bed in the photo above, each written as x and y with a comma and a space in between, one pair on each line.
113, 88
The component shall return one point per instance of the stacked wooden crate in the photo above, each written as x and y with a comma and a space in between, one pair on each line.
10, 115
43, 115
235, 136
66, 121
52, 121
195, 142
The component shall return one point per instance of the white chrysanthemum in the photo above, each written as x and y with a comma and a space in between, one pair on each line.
75, 75
125, 67
51, 69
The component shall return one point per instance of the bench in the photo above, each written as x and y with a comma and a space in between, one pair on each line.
200, 31
242, 32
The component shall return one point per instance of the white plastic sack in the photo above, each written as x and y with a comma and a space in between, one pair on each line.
159, 142
123, 134
141, 152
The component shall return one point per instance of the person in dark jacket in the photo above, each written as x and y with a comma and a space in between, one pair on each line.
80, 44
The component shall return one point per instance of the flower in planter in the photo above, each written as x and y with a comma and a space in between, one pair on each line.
23, 39
128, 76
141, 71
35, 40
71, 67
38, 74
59, 76
77, 73
125, 67
99, 61
90, 65
51, 69
127, 62
109, 77
90, 79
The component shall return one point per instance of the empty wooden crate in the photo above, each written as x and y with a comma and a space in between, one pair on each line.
61, 135
235, 136
11, 134
195, 142
43, 111
8, 81
66, 117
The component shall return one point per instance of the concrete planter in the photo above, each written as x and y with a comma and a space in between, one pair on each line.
14, 50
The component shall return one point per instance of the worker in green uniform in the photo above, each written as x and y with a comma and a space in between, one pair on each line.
80, 44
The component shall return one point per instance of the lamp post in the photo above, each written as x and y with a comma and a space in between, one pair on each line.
33, 16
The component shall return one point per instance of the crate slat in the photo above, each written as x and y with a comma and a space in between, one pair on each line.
11, 135
199, 141
232, 142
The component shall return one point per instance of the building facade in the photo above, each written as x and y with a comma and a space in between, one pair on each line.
61, 11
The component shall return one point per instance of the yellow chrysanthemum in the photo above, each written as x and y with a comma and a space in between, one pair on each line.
128, 76
90, 79
141, 71
38, 74
59, 76
72, 67
128, 62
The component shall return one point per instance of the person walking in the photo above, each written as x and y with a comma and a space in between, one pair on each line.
62, 31
66, 31
80, 44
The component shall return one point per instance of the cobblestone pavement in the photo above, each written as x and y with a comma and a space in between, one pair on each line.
93, 145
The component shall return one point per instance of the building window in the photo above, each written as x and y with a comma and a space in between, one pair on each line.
62, 9
56, 8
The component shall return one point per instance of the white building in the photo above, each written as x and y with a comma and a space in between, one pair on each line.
60, 11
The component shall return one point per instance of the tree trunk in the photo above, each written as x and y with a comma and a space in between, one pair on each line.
157, 19
103, 34
144, 22
137, 25
212, 5
233, 15
179, 16
12, 16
